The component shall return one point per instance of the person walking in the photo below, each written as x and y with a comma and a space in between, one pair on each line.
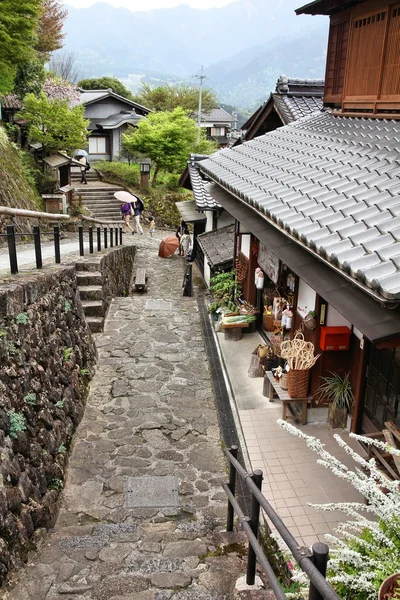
152, 226
126, 211
84, 163
137, 211
179, 233
185, 242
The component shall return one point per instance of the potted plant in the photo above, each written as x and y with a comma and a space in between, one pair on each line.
390, 588
224, 287
309, 320
337, 390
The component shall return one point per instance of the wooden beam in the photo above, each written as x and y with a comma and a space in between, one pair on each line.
384, 462
390, 440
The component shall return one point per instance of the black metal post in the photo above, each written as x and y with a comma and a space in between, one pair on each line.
111, 237
81, 247
90, 240
320, 557
98, 239
105, 237
116, 235
255, 519
57, 244
38, 248
12, 249
232, 486
120, 236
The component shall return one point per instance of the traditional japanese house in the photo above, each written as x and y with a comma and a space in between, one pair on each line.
316, 205
291, 100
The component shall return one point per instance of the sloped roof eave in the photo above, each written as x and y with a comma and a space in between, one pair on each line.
332, 184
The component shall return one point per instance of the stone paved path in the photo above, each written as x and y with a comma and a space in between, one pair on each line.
150, 412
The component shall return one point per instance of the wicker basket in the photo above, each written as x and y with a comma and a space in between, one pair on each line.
283, 381
298, 383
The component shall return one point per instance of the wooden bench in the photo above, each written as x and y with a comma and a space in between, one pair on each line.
233, 331
140, 279
292, 408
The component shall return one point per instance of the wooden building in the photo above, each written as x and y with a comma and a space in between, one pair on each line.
317, 207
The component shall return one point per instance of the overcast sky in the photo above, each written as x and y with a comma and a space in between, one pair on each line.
150, 4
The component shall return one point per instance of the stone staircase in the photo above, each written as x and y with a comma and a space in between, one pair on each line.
97, 196
90, 287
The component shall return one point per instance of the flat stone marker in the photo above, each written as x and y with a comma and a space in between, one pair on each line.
158, 305
152, 492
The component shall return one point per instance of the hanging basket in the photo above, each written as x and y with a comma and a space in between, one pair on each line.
298, 383
310, 322
283, 381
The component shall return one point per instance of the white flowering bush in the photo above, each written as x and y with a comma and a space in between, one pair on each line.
367, 548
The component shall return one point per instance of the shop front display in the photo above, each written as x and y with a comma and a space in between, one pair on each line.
277, 285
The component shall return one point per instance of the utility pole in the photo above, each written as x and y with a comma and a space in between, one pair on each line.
200, 78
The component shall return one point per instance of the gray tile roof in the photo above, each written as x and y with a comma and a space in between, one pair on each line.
217, 115
333, 183
189, 213
218, 245
204, 201
291, 108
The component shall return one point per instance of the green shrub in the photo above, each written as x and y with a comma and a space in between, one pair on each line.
171, 181
119, 172
21, 319
17, 423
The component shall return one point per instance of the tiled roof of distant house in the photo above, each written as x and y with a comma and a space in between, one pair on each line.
90, 96
218, 246
218, 116
11, 102
292, 100
115, 121
330, 183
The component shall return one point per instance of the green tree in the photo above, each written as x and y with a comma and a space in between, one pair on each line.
168, 97
54, 124
167, 138
29, 78
106, 83
18, 26
49, 33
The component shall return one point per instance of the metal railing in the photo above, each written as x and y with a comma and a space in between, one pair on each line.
312, 562
110, 232
187, 281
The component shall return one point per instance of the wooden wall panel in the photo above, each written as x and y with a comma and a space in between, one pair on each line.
365, 55
336, 61
391, 69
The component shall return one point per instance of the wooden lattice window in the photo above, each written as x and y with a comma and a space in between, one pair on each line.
365, 56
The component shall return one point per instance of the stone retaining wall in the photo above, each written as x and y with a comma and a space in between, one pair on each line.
47, 356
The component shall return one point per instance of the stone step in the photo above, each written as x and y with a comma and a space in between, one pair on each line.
90, 292
106, 202
93, 308
96, 324
89, 278
93, 267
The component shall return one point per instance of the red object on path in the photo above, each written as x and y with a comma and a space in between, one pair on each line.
168, 246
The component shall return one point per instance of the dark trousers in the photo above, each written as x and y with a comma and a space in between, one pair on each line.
83, 176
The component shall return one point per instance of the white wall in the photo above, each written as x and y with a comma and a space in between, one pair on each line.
209, 223
207, 272
305, 299
245, 245
335, 319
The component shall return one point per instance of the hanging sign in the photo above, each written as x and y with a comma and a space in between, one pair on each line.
269, 262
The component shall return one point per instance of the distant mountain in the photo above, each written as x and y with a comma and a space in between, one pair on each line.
247, 78
170, 45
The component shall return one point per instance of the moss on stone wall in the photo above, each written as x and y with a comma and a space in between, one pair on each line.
15, 189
